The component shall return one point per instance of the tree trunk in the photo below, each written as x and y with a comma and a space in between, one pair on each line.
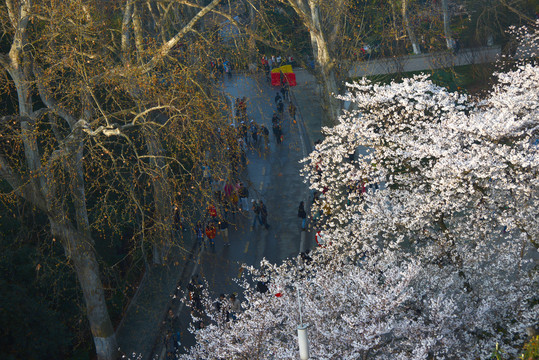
80, 251
409, 28
137, 29
77, 241
394, 19
77, 247
326, 64
162, 235
447, 28
330, 89
251, 41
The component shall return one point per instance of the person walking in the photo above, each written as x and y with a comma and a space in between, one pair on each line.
265, 135
195, 294
275, 118
302, 215
170, 347
278, 98
244, 132
243, 193
256, 214
221, 309
278, 132
206, 175
267, 72
211, 232
284, 90
173, 325
228, 68
220, 68
200, 234
211, 213
262, 285
254, 134
228, 189
263, 214
235, 199
292, 111
223, 228
280, 107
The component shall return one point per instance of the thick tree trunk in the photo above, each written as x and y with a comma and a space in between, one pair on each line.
80, 251
77, 241
330, 89
77, 246
394, 19
162, 233
326, 65
251, 41
447, 28
409, 28
163, 221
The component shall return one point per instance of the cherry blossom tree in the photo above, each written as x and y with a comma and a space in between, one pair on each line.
429, 211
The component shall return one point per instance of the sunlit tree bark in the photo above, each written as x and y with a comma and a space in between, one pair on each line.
447, 24
409, 28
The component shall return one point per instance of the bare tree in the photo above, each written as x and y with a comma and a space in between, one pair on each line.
95, 88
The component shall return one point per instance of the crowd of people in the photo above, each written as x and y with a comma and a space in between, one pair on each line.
220, 68
233, 202
231, 197
223, 68
271, 62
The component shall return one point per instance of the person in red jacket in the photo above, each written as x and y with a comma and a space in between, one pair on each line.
211, 232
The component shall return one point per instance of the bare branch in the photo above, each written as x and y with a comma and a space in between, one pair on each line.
48, 99
516, 11
19, 40
147, 111
22, 188
165, 48
11, 13
238, 25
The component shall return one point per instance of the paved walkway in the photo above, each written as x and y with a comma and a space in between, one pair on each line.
427, 61
136, 333
273, 178
306, 94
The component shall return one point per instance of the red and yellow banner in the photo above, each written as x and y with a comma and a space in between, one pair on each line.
285, 69
283, 74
